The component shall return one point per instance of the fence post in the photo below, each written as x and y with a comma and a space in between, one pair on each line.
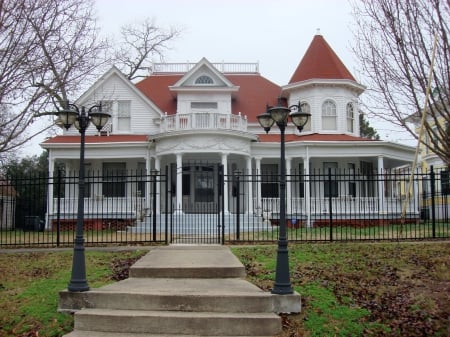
154, 175
433, 203
238, 205
222, 203
330, 204
166, 207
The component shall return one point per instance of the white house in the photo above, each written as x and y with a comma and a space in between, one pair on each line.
185, 116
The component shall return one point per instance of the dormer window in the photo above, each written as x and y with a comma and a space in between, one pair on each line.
204, 79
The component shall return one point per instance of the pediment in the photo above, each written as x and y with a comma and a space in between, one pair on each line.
204, 76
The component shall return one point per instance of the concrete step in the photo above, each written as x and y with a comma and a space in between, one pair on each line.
178, 322
80, 333
188, 262
215, 295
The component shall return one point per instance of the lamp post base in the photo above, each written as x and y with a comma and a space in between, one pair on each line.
78, 280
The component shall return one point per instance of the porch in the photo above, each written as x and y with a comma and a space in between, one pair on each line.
120, 213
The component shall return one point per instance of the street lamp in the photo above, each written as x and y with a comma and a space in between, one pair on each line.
280, 115
80, 118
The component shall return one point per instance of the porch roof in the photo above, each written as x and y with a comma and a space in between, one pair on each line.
275, 138
96, 139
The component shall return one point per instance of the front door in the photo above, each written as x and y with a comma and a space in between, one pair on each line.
200, 220
200, 192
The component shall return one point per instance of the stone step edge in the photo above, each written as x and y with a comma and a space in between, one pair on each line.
83, 333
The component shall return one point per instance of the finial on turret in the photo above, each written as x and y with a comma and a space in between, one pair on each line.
318, 31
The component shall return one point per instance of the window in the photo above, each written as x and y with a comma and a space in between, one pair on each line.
204, 79
123, 115
306, 108
141, 179
367, 184
301, 185
330, 186
204, 105
329, 115
350, 117
269, 181
114, 179
186, 180
351, 180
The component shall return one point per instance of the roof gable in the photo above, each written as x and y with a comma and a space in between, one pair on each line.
94, 92
320, 62
203, 68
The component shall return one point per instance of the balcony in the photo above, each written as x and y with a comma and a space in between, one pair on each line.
203, 121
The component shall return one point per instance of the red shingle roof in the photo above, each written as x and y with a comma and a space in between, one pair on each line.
320, 62
97, 139
275, 138
254, 93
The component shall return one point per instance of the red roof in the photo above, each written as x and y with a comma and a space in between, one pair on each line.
320, 62
254, 93
96, 139
314, 137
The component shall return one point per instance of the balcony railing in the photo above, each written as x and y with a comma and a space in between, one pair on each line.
203, 121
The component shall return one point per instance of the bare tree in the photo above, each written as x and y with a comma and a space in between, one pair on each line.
394, 41
49, 49
139, 43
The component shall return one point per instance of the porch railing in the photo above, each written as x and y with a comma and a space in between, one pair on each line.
203, 121
116, 206
340, 205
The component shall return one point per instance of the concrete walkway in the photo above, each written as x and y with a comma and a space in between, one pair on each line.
179, 291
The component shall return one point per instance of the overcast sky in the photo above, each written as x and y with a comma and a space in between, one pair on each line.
275, 33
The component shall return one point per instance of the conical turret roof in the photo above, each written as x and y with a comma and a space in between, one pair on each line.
320, 62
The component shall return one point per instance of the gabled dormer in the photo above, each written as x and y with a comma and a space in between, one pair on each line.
203, 89
326, 89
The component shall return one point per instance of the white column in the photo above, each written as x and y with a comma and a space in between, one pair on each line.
288, 188
51, 169
226, 209
179, 193
158, 184
250, 185
307, 190
258, 188
380, 184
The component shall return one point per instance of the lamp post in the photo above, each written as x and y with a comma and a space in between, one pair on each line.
280, 115
80, 118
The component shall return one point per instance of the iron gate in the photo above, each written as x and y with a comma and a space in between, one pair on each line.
198, 217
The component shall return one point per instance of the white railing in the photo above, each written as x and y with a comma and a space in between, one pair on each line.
203, 121
135, 206
223, 67
340, 205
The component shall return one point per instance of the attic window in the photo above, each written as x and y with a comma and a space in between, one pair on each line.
204, 79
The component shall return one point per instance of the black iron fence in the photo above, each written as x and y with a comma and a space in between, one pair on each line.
139, 207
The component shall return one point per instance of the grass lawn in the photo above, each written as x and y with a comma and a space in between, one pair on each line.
372, 289
30, 282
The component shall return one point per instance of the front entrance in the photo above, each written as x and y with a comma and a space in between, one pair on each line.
200, 192
199, 220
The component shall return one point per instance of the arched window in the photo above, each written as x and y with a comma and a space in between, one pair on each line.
329, 115
204, 79
307, 109
350, 117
